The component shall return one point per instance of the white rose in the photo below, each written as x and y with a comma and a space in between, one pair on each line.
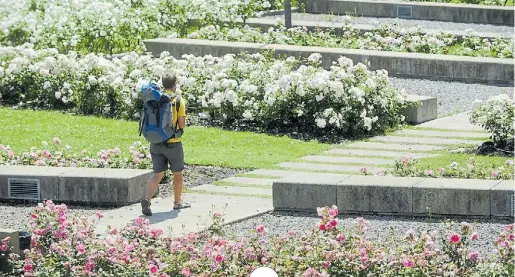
321, 123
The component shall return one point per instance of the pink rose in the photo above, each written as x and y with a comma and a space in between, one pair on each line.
322, 227
454, 238
152, 269
473, 256
81, 248
494, 174
260, 229
326, 264
99, 214
408, 262
57, 140
217, 214
511, 237
186, 271
474, 236
333, 222
219, 258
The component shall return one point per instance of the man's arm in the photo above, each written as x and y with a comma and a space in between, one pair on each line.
181, 115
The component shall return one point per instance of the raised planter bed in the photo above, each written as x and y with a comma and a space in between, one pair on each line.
416, 65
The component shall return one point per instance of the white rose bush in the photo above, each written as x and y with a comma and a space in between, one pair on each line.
381, 38
251, 90
495, 116
114, 26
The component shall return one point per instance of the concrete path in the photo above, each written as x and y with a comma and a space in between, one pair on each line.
250, 193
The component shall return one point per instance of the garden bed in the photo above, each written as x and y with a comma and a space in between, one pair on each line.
329, 250
382, 38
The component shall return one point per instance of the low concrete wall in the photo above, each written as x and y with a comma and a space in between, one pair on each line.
102, 186
339, 28
463, 13
416, 65
395, 195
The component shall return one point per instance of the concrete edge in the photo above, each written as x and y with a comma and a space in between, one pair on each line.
308, 188
460, 13
60, 173
414, 65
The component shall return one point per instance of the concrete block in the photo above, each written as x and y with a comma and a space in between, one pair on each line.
46, 176
436, 66
376, 194
103, 186
306, 193
179, 47
15, 239
502, 199
426, 110
438, 196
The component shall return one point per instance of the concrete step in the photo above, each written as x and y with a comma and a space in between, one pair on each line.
458, 122
378, 153
422, 140
441, 134
394, 146
234, 190
249, 181
348, 160
328, 167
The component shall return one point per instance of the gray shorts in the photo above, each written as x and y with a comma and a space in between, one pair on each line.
164, 154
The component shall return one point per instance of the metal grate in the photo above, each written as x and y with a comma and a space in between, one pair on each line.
404, 11
28, 189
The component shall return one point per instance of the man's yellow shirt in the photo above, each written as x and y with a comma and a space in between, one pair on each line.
182, 112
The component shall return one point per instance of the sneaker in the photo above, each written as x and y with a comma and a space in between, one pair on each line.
180, 205
145, 207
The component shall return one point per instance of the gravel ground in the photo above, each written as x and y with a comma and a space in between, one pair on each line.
433, 25
453, 97
278, 224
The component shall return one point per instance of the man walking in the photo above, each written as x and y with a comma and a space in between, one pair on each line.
169, 153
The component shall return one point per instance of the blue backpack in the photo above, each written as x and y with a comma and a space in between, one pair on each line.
156, 118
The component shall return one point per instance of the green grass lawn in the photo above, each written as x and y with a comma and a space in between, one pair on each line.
22, 129
444, 160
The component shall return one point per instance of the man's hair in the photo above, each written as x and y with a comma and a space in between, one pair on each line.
169, 81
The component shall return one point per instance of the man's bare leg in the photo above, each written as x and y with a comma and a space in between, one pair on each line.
178, 183
152, 185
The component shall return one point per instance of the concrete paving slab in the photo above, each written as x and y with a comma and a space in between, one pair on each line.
377, 194
348, 160
234, 189
180, 222
327, 167
441, 134
305, 193
378, 153
421, 140
502, 199
394, 146
453, 196
272, 172
458, 122
249, 181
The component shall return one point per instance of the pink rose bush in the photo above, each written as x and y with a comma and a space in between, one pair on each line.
55, 154
63, 246
407, 167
